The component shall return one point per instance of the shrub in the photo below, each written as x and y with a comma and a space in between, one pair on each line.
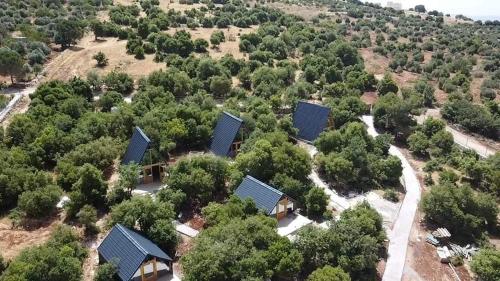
119, 82
39, 202
101, 59
391, 195
139, 53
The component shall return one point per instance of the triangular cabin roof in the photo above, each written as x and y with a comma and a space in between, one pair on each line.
224, 134
130, 250
138, 145
310, 119
265, 196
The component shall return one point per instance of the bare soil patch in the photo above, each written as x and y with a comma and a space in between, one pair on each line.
167, 5
475, 89
14, 240
307, 12
369, 98
374, 63
78, 61
422, 261
230, 46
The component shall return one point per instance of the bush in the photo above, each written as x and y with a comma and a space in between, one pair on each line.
391, 195
40, 202
101, 59
328, 273
119, 82
460, 209
106, 272
200, 45
486, 264
139, 53
316, 202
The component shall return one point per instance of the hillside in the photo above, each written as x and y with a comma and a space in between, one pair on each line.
246, 140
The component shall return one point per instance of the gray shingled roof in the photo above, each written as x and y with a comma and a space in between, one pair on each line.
138, 145
224, 134
265, 196
129, 249
311, 119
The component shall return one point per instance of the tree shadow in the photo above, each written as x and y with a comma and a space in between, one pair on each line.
100, 40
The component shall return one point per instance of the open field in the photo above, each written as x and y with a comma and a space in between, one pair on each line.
77, 60
14, 240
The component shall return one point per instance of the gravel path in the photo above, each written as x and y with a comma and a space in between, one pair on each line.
400, 234
462, 139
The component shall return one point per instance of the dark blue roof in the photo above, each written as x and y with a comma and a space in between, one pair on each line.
138, 145
129, 249
224, 134
310, 119
265, 196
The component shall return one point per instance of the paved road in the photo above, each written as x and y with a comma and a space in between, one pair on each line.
18, 94
402, 227
463, 140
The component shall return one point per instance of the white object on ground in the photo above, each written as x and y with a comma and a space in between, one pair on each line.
148, 189
65, 199
290, 224
185, 229
17, 95
401, 232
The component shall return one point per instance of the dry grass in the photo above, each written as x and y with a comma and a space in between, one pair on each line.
230, 46
78, 61
374, 63
14, 240
305, 11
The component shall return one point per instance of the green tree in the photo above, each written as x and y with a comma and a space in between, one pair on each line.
250, 249
426, 90
391, 113
90, 188
387, 85
486, 264
98, 28
106, 272
154, 218
60, 258
67, 32
200, 45
420, 9
418, 143
328, 273
129, 177
353, 243
101, 59
460, 209
87, 216
109, 99
119, 82
316, 202
201, 177
216, 38
11, 63
40, 202
220, 86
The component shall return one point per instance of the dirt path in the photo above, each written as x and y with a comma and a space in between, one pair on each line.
463, 140
18, 104
399, 237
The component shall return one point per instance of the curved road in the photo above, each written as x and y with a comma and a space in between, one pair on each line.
402, 226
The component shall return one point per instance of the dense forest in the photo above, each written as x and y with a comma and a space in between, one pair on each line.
71, 139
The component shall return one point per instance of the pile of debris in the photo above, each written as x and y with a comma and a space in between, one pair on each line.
445, 250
